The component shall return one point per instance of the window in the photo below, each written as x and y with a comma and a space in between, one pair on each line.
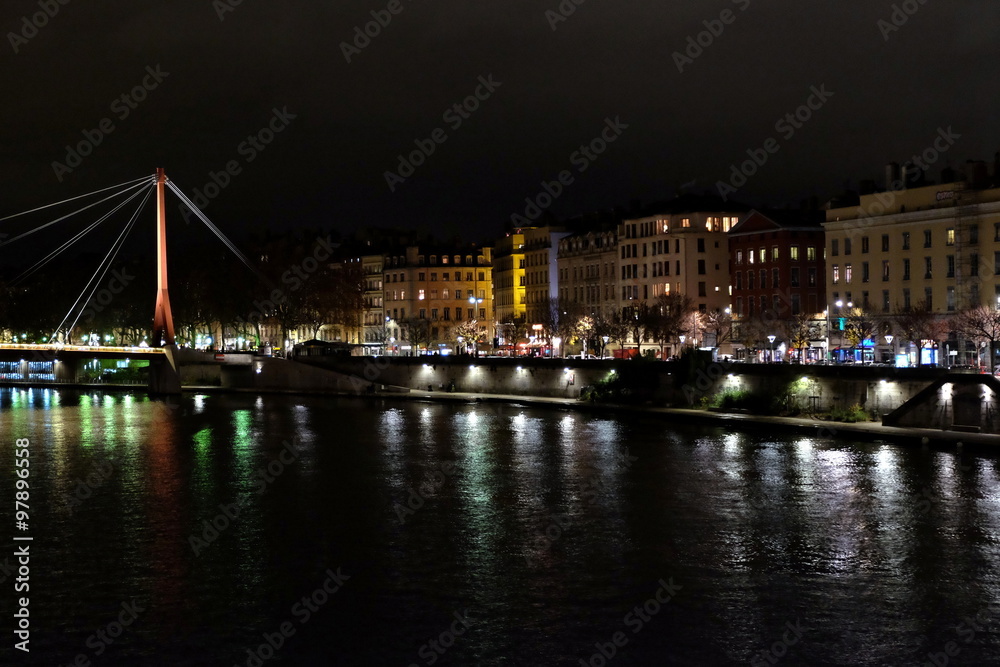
927, 268
423, 313
421, 276
774, 279
763, 278
927, 238
739, 255
796, 304
835, 247
482, 275
739, 306
420, 295
739, 280
906, 268
701, 289
951, 266
811, 273
906, 240
864, 272
750, 256
458, 292
434, 276
848, 273
996, 231
836, 274
885, 243
864, 244
701, 267
950, 298
434, 294
929, 298
864, 299
885, 301
434, 314
885, 270
793, 252
794, 277
701, 245
763, 255
811, 253
974, 264
750, 275
974, 235
774, 253
906, 297
949, 236
847, 246
996, 263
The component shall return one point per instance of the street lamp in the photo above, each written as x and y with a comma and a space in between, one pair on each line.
770, 339
888, 341
603, 349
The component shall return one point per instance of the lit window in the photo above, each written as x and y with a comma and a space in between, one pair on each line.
420, 295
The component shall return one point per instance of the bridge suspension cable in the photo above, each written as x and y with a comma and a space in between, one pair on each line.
135, 186
79, 235
215, 230
40, 208
102, 269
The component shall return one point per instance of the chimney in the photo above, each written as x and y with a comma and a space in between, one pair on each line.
892, 180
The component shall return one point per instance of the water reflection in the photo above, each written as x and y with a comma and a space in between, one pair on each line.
549, 526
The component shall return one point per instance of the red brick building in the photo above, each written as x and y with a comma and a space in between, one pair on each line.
777, 273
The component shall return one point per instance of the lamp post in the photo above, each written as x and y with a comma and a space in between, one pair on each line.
770, 339
605, 348
888, 341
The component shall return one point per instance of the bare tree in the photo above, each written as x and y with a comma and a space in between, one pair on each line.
980, 324
799, 331
919, 323
860, 325
719, 323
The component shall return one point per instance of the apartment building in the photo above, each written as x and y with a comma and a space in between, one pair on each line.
509, 280
375, 333
541, 270
680, 247
936, 247
430, 291
588, 272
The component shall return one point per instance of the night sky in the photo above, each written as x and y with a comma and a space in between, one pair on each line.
224, 68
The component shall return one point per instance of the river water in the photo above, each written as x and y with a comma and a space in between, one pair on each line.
258, 530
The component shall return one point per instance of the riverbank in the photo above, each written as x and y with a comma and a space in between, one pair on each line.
807, 426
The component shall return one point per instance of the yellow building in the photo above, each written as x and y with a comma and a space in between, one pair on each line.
935, 247
509, 278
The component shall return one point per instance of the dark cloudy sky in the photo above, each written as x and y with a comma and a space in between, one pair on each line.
609, 59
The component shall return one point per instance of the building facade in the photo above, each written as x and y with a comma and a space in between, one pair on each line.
431, 294
587, 272
779, 282
934, 248
541, 271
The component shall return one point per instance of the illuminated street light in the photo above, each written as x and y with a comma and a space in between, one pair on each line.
770, 339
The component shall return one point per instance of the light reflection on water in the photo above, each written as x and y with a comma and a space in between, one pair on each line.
548, 525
